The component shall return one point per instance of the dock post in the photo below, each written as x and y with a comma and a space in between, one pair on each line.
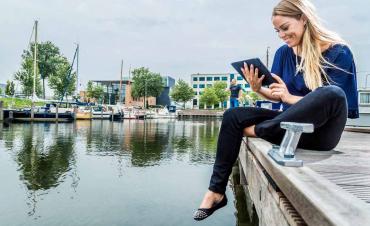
1, 111
32, 111
57, 113
75, 112
112, 114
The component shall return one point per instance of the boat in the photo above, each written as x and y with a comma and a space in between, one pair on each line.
84, 113
41, 114
107, 112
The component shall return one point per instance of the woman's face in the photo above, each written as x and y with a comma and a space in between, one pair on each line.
290, 29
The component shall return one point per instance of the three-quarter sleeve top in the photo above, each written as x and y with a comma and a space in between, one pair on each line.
285, 62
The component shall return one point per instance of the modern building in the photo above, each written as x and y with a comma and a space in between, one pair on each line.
112, 94
112, 88
164, 99
364, 109
201, 81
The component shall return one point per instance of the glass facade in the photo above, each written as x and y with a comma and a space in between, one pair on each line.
195, 79
201, 86
202, 79
224, 78
209, 79
195, 86
217, 78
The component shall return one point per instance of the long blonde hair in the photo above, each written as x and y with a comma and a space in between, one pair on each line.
312, 61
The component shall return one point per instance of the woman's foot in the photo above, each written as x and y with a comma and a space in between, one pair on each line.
210, 198
211, 202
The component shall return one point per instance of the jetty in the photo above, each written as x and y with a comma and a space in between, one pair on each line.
199, 113
331, 188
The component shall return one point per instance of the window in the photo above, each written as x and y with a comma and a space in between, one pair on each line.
195, 79
247, 85
209, 78
365, 98
209, 85
195, 86
224, 78
202, 79
201, 86
217, 78
240, 78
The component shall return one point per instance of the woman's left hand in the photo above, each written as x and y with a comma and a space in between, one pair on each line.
280, 90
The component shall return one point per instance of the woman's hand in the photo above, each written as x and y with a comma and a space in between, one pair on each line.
251, 75
279, 90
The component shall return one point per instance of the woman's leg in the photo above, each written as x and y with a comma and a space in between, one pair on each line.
325, 108
229, 141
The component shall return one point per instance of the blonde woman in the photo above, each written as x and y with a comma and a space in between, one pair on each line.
316, 77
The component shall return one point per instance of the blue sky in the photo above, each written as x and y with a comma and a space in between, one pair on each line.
171, 37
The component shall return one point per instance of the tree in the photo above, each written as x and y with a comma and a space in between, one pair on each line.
61, 82
182, 92
1, 91
94, 91
26, 76
47, 59
146, 83
220, 90
9, 88
209, 97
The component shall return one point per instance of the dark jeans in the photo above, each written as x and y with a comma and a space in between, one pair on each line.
325, 108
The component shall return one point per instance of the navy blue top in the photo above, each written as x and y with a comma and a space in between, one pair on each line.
235, 91
340, 55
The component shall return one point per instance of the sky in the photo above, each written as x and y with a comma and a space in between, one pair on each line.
172, 37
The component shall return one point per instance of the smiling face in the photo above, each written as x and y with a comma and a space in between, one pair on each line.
290, 29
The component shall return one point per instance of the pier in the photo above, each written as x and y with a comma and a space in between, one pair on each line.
332, 187
197, 113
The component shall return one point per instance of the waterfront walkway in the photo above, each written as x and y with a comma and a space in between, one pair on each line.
332, 188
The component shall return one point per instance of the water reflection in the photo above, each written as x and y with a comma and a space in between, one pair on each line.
48, 156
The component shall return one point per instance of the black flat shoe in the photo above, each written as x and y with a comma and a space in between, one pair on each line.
203, 213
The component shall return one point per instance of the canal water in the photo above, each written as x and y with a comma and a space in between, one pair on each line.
151, 172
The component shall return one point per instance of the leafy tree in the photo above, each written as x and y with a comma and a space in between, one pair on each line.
94, 91
209, 97
146, 83
9, 88
1, 91
47, 59
61, 82
182, 92
220, 91
25, 77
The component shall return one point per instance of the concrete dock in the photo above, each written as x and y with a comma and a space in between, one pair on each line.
332, 188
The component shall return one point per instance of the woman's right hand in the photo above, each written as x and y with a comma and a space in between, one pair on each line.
251, 75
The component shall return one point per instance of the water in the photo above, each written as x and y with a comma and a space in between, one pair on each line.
152, 172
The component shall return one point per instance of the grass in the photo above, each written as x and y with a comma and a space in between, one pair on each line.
16, 103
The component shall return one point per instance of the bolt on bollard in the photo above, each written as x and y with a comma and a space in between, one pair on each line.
285, 153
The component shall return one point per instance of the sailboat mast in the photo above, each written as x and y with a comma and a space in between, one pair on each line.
120, 84
78, 54
35, 64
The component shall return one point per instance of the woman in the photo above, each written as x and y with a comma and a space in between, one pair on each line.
316, 78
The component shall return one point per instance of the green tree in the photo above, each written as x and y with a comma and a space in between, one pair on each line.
146, 83
9, 88
209, 97
1, 91
182, 92
94, 91
47, 58
61, 82
26, 75
220, 90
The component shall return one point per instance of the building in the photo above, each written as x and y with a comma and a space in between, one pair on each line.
112, 94
201, 81
164, 99
364, 109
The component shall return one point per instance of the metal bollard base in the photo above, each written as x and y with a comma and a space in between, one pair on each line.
290, 162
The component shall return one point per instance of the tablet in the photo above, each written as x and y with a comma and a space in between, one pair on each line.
262, 70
